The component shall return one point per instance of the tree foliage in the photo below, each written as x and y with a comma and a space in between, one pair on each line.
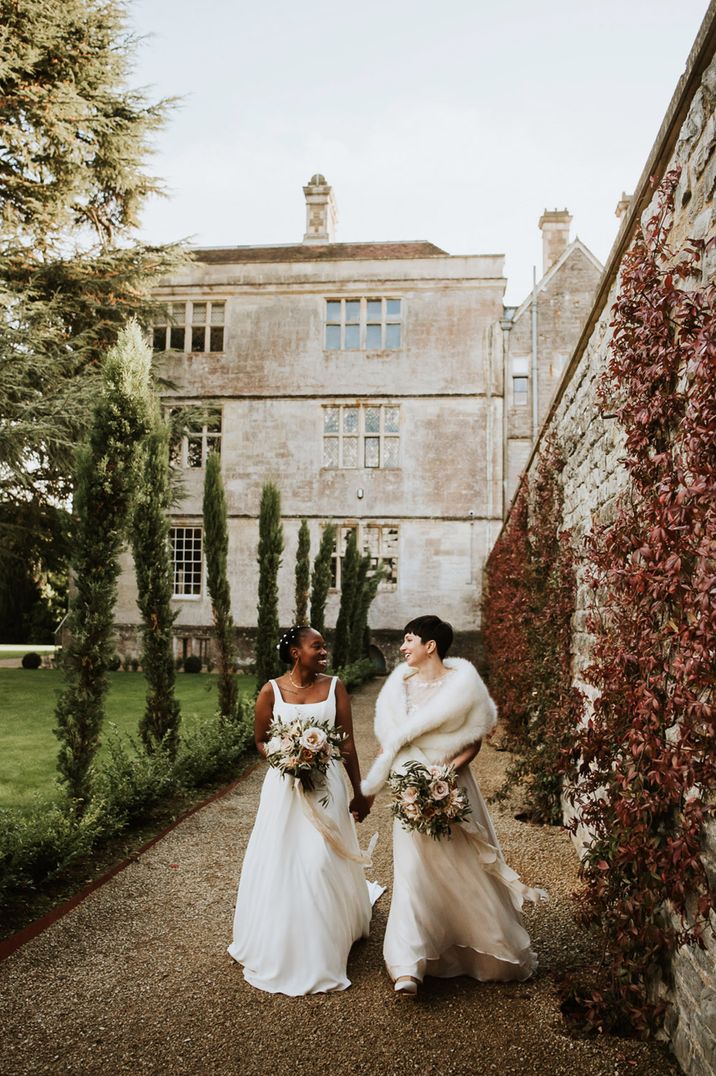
303, 573
105, 483
75, 140
367, 584
269, 560
216, 548
529, 604
321, 578
159, 726
350, 568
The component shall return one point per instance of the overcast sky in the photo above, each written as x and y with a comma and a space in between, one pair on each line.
456, 121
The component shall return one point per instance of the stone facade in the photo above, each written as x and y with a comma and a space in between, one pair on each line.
543, 332
593, 475
362, 380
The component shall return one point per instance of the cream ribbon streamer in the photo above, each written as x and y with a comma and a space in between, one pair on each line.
329, 831
495, 865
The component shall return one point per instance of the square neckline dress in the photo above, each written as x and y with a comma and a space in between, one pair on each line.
300, 905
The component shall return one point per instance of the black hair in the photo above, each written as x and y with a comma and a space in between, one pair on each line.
431, 627
290, 638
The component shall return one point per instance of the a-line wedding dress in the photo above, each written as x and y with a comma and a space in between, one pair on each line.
456, 904
303, 899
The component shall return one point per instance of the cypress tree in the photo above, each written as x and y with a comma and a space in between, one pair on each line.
159, 726
75, 140
366, 590
303, 573
216, 547
104, 488
321, 578
349, 581
269, 559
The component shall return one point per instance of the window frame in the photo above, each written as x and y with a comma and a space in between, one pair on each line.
182, 323
181, 456
361, 436
363, 528
181, 525
367, 319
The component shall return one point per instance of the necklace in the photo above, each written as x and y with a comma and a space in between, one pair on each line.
300, 687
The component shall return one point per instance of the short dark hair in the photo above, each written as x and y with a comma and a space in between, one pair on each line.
431, 627
290, 638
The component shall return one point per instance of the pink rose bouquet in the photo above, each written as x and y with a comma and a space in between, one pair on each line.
428, 799
303, 748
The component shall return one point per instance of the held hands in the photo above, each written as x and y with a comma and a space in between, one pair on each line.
360, 806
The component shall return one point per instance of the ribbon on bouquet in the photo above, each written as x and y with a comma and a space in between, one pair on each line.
495, 865
329, 831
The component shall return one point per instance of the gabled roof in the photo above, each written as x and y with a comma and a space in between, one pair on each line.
574, 246
316, 252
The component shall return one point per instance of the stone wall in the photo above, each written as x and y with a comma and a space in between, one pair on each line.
592, 442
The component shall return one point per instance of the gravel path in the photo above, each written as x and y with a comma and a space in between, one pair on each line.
137, 980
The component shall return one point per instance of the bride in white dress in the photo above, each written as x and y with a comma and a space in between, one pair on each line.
303, 899
456, 906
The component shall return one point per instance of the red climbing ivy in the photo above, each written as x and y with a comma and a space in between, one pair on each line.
530, 600
504, 621
647, 765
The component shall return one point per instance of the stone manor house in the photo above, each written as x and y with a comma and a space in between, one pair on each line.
383, 386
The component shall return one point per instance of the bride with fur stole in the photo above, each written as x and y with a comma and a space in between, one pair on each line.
456, 906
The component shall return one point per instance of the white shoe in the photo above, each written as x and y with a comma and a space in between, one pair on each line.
407, 986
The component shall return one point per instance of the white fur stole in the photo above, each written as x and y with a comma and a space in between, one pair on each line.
460, 713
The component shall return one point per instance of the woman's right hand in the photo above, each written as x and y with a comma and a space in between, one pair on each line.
360, 806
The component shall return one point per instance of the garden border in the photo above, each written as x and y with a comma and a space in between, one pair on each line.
15, 941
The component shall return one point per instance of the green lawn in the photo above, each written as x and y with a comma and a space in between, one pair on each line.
28, 747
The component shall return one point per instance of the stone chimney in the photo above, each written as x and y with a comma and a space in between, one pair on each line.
554, 224
321, 212
622, 205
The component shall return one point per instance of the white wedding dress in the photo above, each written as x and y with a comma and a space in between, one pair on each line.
301, 904
456, 907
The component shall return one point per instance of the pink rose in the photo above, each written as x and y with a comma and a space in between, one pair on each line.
439, 790
411, 810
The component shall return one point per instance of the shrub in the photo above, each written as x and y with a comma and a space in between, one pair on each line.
356, 673
115, 663
134, 664
131, 785
31, 660
126, 663
192, 664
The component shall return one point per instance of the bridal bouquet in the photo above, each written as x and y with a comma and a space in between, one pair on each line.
428, 799
303, 748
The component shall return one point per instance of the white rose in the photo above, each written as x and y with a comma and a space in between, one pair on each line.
274, 745
439, 790
313, 739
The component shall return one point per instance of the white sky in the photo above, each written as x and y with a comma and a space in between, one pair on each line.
456, 121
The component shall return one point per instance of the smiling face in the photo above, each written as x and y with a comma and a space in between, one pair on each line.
415, 651
310, 651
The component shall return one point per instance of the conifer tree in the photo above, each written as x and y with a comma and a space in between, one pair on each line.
106, 477
269, 559
350, 567
303, 573
321, 578
72, 183
159, 726
216, 547
366, 590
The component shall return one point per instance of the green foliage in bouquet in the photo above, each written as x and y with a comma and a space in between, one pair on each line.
428, 800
